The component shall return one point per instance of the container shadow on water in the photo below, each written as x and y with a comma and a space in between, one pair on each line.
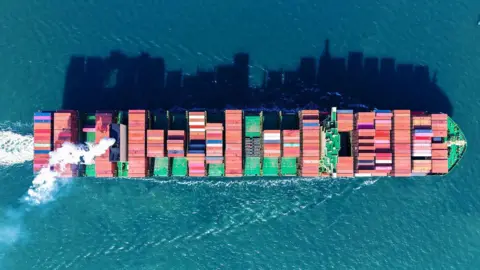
119, 82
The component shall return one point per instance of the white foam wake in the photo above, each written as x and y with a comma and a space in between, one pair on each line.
15, 148
46, 182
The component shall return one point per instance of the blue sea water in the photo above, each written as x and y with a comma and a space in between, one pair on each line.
418, 223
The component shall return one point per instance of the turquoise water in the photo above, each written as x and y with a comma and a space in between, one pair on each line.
424, 223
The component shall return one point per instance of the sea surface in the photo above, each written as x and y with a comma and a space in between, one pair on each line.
293, 223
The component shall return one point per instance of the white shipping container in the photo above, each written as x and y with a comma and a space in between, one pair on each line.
42, 145
214, 145
422, 144
271, 136
382, 121
422, 155
196, 116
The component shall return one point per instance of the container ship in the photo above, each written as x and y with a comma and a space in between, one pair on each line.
237, 143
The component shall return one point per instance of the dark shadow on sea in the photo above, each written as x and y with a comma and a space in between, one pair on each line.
119, 82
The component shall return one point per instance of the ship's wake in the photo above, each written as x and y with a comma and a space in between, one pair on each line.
46, 183
313, 193
15, 148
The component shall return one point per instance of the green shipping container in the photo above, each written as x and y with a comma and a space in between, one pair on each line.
289, 166
253, 126
90, 170
216, 169
122, 169
91, 118
160, 167
179, 166
90, 137
270, 166
252, 166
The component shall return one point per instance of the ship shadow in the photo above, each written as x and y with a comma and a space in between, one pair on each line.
121, 82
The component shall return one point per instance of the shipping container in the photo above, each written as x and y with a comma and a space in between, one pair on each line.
233, 143
345, 120
43, 139
310, 143
137, 149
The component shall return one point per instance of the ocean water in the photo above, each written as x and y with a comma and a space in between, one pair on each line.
418, 223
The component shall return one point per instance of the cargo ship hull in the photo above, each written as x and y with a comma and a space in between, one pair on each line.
235, 143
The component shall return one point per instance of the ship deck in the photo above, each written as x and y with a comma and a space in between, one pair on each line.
457, 144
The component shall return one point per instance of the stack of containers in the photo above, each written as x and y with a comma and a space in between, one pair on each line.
155, 143
291, 143
137, 160
365, 161
345, 124
422, 136
89, 136
345, 120
233, 141
402, 154
271, 143
422, 144
42, 139
439, 125
439, 147
65, 125
383, 147
196, 151
271, 152
290, 152
383, 120
176, 143
345, 167
421, 167
214, 143
253, 146
440, 158
103, 166
310, 126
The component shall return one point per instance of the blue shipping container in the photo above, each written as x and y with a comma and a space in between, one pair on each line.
423, 131
214, 158
345, 111
214, 141
42, 121
41, 152
196, 152
42, 114
196, 146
